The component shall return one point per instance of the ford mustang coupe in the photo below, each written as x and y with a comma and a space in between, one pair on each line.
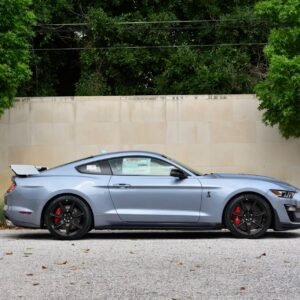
143, 190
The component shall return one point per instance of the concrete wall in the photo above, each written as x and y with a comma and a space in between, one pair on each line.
211, 133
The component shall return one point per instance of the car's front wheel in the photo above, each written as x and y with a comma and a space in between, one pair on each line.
248, 216
68, 217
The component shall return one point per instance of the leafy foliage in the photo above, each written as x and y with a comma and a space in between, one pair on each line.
2, 218
279, 93
54, 72
221, 70
148, 65
166, 70
15, 33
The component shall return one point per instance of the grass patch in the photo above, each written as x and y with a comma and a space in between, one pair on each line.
2, 219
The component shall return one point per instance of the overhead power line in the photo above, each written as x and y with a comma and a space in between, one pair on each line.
148, 47
154, 22
168, 28
62, 24
179, 21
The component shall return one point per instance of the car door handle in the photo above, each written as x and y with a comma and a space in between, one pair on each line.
122, 185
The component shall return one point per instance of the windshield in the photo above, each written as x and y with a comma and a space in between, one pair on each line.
184, 166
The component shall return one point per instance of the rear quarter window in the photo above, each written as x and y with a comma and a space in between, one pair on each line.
97, 168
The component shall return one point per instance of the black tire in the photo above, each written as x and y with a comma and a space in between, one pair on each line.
248, 216
68, 218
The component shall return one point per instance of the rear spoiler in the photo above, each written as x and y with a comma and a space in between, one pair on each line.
26, 170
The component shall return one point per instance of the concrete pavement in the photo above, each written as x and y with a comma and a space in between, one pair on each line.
149, 265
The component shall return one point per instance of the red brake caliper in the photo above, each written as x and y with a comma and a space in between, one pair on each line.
236, 219
58, 213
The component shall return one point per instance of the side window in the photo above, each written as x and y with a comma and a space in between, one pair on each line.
95, 167
140, 166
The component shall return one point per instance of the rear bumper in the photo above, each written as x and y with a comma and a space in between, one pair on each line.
9, 223
19, 216
15, 223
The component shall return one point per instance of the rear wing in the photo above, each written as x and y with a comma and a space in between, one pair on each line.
26, 170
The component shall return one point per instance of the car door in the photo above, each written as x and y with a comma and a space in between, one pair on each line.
143, 191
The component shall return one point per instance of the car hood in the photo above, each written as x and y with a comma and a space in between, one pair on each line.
280, 183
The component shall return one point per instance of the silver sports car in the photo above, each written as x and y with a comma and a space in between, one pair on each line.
139, 189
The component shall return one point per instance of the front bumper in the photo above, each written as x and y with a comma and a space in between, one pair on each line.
286, 219
286, 226
293, 212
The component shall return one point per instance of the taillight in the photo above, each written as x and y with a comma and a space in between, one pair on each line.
12, 187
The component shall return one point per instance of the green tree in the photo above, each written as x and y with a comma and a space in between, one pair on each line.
165, 70
279, 93
15, 33
149, 68
118, 70
54, 72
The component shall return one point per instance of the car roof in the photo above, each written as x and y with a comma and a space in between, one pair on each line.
128, 152
105, 156
122, 154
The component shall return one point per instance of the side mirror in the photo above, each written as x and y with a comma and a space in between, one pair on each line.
178, 173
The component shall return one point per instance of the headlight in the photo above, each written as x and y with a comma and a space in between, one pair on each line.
283, 194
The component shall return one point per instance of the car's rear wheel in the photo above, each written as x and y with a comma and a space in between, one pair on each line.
68, 218
248, 216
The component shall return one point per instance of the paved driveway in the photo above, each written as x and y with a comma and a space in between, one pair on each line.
149, 265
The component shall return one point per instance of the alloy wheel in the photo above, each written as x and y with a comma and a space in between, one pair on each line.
248, 216
68, 218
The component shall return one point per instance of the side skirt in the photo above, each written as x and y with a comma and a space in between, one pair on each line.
164, 226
